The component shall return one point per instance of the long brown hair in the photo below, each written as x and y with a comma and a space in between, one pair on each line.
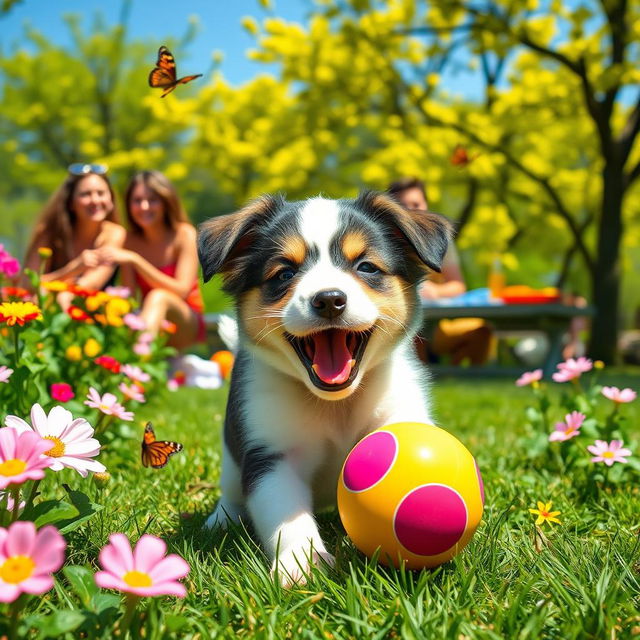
157, 182
56, 222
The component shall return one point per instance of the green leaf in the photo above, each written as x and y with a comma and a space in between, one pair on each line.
82, 582
86, 510
101, 602
49, 512
175, 623
60, 622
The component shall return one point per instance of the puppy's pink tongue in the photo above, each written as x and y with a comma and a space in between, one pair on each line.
332, 361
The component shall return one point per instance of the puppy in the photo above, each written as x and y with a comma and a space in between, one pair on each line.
327, 306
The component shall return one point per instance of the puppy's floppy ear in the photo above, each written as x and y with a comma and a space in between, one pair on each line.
224, 239
428, 234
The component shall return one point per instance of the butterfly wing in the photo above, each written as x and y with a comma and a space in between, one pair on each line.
156, 453
163, 75
188, 79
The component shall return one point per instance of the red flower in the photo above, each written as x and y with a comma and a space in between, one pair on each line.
80, 292
79, 314
62, 392
15, 292
109, 363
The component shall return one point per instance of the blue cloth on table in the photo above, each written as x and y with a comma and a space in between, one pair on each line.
471, 298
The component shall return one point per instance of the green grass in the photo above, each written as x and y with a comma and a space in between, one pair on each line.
583, 582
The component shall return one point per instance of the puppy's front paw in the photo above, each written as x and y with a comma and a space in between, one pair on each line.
224, 514
294, 565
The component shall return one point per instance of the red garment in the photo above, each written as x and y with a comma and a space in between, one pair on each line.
193, 299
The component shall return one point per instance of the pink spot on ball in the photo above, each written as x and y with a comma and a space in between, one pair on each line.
480, 482
370, 460
430, 519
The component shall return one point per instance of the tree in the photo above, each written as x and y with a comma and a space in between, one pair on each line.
569, 67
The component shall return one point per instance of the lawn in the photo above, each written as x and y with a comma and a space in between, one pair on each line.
579, 579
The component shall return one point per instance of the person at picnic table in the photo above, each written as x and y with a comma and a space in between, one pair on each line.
461, 339
159, 260
80, 218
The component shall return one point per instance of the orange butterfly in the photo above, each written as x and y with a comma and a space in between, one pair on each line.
460, 157
163, 74
156, 453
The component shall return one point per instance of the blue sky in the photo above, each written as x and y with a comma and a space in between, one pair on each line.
219, 29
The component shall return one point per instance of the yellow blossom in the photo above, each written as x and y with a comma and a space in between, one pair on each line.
55, 285
545, 514
19, 312
73, 353
92, 348
44, 252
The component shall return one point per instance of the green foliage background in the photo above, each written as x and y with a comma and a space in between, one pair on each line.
356, 102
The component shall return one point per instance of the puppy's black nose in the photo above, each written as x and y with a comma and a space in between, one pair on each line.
329, 304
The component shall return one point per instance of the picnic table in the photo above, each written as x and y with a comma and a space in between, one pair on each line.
553, 319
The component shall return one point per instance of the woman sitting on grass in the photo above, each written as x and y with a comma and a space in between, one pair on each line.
159, 258
80, 218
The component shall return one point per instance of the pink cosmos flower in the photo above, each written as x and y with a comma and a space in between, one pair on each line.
134, 322
108, 404
608, 452
568, 429
618, 396
62, 392
70, 441
21, 457
572, 368
28, 558
135, 373
529, 377
5, 373
132, 392
118, 292
142, 348
173, 384
145, 571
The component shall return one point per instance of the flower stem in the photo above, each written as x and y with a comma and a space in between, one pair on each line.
32, 494
14, 618
15, 494
131, 603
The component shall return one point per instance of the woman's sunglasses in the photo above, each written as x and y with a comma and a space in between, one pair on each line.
81, 169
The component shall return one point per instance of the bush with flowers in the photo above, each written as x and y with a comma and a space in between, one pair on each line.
587, 432
67, 379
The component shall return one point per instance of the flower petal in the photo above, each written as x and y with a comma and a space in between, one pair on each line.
170, 568
148, 552
117, 556
21, 539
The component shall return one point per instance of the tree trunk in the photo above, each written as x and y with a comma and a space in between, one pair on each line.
606, 274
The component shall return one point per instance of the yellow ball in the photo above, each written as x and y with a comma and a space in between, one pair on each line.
411, 491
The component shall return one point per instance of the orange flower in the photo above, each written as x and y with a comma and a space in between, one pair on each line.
19, 312
225, 362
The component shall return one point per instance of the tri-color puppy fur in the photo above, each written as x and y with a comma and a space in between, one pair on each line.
327, 304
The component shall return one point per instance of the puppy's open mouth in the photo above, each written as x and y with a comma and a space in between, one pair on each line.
331, 357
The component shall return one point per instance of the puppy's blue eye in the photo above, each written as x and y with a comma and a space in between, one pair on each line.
286, 274
368, 267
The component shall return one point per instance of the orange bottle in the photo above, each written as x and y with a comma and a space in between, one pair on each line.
497, 278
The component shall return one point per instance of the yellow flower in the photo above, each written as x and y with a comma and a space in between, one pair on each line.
545, 514
19, 312
95, 301
55, 285
598, 364
92, 348
73, 353
45, 252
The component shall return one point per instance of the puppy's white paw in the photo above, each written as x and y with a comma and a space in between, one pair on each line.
293, 565
224, 514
